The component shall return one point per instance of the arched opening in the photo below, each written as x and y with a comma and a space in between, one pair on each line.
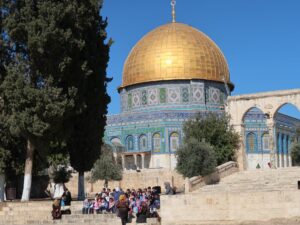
143, 143
156, 142
251, 143
287, 120
265, 141
256, 139
129, 143
174, 141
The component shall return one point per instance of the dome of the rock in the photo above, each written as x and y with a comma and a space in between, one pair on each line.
175, 51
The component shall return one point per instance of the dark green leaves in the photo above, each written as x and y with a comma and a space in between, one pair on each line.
106, 167
195, 158
216, 131
209, 140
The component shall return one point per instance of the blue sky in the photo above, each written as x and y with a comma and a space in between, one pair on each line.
259, 38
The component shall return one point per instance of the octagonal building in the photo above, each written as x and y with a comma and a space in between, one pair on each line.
173, 73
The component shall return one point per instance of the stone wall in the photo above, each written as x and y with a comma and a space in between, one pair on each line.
133, 179
229, 206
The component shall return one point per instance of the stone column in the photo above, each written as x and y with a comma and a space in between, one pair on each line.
289, 155
242, 155
123, 162
285, 151
272, 145
279, 149
135, 159
143, 161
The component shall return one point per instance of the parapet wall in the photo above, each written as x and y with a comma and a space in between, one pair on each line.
133, 179
222, 171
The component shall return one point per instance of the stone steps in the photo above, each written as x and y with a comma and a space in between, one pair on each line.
37, 213
291, 221
257, 180
75, 219
259, 195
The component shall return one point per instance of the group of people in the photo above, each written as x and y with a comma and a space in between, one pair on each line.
132, 203
140, 203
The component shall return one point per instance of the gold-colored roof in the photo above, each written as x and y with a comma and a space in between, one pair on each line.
174, 51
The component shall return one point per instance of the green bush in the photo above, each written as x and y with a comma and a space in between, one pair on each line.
196, 158
295, 153
60, 174
106, 167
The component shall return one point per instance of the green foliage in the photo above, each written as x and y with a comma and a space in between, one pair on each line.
4, 158
90, 80
12, 155
59, 161
60, 174
58, 154
36, 102
106, 168
3, 47
295, 154
297, 135
216, 131
195, 158
54, 85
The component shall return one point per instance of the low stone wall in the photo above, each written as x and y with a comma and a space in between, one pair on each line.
152, 177
155, 177
195, 208
133, 179
223, 170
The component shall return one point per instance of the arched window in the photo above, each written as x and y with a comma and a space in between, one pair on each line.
156, 142
265, 141
251, 142
143, 143
174, 142
129, 143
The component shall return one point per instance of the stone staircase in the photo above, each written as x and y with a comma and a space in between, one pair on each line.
39, 212
257, 180
266, 197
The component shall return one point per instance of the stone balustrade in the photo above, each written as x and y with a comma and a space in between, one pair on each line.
223, 170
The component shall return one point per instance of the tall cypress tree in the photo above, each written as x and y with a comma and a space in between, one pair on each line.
91, 105
36, 100
56, 84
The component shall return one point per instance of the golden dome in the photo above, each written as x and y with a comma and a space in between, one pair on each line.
175, 51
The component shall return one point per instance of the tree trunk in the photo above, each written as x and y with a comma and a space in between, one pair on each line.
106, 183
28, 171
81, 194
2, 188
